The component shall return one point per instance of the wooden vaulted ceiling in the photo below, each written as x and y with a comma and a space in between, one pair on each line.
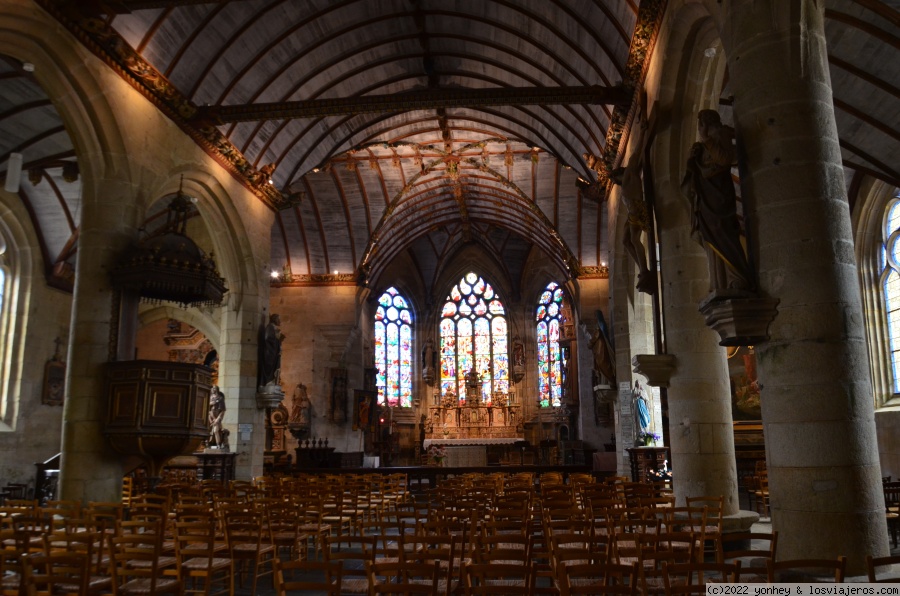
410, 125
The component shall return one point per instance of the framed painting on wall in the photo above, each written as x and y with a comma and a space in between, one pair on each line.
53, 393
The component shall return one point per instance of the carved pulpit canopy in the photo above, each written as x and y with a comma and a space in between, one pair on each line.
167, 266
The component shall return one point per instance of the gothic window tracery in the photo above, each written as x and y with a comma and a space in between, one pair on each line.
393, 349
474, 334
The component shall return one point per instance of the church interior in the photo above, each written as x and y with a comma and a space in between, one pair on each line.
637, 241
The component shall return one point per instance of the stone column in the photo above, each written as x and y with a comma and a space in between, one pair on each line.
824, 474
90, 470
701, 432
238, 364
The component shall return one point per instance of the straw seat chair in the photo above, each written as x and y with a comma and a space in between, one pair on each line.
136, 569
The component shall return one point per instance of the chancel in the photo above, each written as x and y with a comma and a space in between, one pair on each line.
452, 252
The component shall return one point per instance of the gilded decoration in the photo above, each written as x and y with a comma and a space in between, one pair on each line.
99, 37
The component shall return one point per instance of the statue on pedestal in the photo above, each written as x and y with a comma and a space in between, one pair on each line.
216, 417
708, 185
429, 361
270, 354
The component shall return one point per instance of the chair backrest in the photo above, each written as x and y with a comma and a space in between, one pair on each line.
502, 547
602, 578
501, 579
55, 573
286, 580
752, 548
881, 569
691, 578
401, 577
134, 557
808, 570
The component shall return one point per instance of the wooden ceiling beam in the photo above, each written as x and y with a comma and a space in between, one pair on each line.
418, 100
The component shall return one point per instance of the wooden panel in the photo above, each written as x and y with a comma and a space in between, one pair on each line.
166, 405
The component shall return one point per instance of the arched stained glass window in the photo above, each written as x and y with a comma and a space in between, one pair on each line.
548, 351
474, 334
393, 349
890, 279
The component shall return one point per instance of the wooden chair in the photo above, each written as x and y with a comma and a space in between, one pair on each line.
354, 552
881, 569
328, 577
203, 567
712, 528
135, 567
13, 549
599, 578
807, 570
440, 548
739, 546
501, 579
249, 546
59, 573
402, 578
90, 545
691, 578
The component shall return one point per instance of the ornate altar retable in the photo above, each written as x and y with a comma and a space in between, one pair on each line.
474, 422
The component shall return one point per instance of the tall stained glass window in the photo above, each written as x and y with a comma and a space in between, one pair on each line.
549, 356
474, 334
393, 349
890, 279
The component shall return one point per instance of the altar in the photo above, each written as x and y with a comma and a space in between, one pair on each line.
474, 421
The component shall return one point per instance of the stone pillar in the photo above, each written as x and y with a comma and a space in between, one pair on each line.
238, 366
90, 470
701, 432
824, 474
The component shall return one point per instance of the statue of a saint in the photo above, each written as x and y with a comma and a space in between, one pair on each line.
300, 406
428, 354
270, 352
714, 222
604, 355
632, 195
518, 352
472, 379
216, 416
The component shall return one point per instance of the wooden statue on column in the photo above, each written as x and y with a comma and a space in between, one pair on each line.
269, 393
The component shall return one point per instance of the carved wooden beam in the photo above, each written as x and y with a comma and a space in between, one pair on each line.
417, 100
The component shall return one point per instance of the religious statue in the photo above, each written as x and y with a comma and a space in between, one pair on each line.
300, 408
714, 222
632, 195
472, 379
215, 418
604, 356
429, 361
518, 352
270, 352
449, 400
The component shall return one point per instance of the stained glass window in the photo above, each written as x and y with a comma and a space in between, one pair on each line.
393, 349
548, 351
474, 334
890, 276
